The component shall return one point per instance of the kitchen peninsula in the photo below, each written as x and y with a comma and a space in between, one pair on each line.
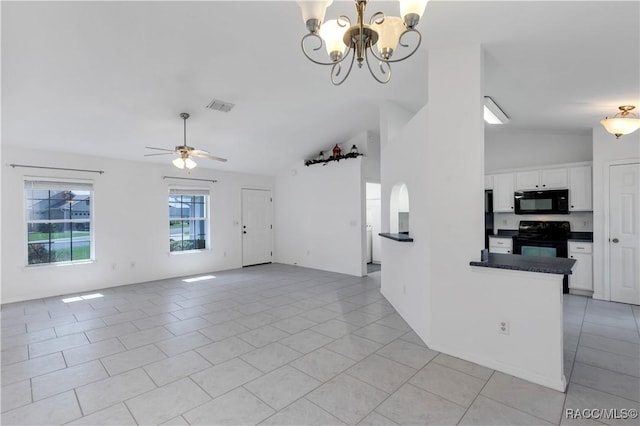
526, 314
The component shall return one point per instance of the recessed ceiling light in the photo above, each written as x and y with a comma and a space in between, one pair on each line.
493, 114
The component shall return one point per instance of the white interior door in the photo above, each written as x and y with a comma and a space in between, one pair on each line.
624, 233
256, 227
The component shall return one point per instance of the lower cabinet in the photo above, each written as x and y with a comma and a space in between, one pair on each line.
500, 245
582, 277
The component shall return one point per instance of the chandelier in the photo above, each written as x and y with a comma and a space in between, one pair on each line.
347, 43
622, 123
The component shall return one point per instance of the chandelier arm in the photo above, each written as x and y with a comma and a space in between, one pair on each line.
335, 74
382, 64
377, 18
346, 21
316, 49
415, 49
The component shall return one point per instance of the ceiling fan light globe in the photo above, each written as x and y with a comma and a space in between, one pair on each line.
179, 163
189, 163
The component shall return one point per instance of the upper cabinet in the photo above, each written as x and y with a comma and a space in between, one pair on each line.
577, 177
580, 189
542, 179
503, 192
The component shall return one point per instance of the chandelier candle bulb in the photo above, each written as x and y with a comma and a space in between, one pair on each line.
412, 10
332, 32
313, 12
389, 32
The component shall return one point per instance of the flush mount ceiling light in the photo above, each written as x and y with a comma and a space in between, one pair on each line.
185, 152
622, 123
346, 42
493, 114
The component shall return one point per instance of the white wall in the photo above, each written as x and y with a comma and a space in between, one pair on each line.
320, 214
371, 163
606, 150
511, 149
453, 307
130, 224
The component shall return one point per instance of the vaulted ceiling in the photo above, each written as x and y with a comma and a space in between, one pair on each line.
109, 78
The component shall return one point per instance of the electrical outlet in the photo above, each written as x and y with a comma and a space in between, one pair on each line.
404, 289
504, 221
586, 223
503, 327
114, 266
133, 264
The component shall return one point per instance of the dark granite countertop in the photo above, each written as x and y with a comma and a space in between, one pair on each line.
507, 233
545, 265
403, 238
581, 236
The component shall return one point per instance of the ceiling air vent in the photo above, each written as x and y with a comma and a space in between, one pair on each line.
219, 105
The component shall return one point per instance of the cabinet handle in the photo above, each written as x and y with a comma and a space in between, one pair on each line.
544, 186
572, 257
571, 206
615, 240
536, 186
512, 207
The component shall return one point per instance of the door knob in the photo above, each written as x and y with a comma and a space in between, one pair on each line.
615, 240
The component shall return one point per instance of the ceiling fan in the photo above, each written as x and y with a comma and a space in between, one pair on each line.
184, 151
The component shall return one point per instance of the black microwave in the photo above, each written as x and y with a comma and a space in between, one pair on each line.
555, 201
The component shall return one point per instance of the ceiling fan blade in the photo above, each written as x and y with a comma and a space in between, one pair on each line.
204, 154
162, 153
160, 149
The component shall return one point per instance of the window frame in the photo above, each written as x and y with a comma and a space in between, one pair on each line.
206, 219
80, 185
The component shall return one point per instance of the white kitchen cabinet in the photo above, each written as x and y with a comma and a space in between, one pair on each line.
503, 192
500, 245
488, 182
582, 276
528, 180
580, 189
542, 179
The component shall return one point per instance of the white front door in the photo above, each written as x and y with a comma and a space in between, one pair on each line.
256, 227
624, 233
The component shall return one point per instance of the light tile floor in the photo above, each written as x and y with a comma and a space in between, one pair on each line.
283, 345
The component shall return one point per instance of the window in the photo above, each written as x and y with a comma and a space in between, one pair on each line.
59, 221
188, 224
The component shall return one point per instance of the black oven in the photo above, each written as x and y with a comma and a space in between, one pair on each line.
543, 239
555, 201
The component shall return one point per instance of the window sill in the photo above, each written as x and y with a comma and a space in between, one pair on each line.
36, 266
179, 253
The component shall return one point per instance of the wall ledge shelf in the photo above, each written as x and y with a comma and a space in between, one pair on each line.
332, 158
403, 238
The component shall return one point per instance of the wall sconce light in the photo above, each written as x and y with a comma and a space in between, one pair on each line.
622, 123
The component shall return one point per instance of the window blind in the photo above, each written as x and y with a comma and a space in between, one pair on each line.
58, 185
191, 191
